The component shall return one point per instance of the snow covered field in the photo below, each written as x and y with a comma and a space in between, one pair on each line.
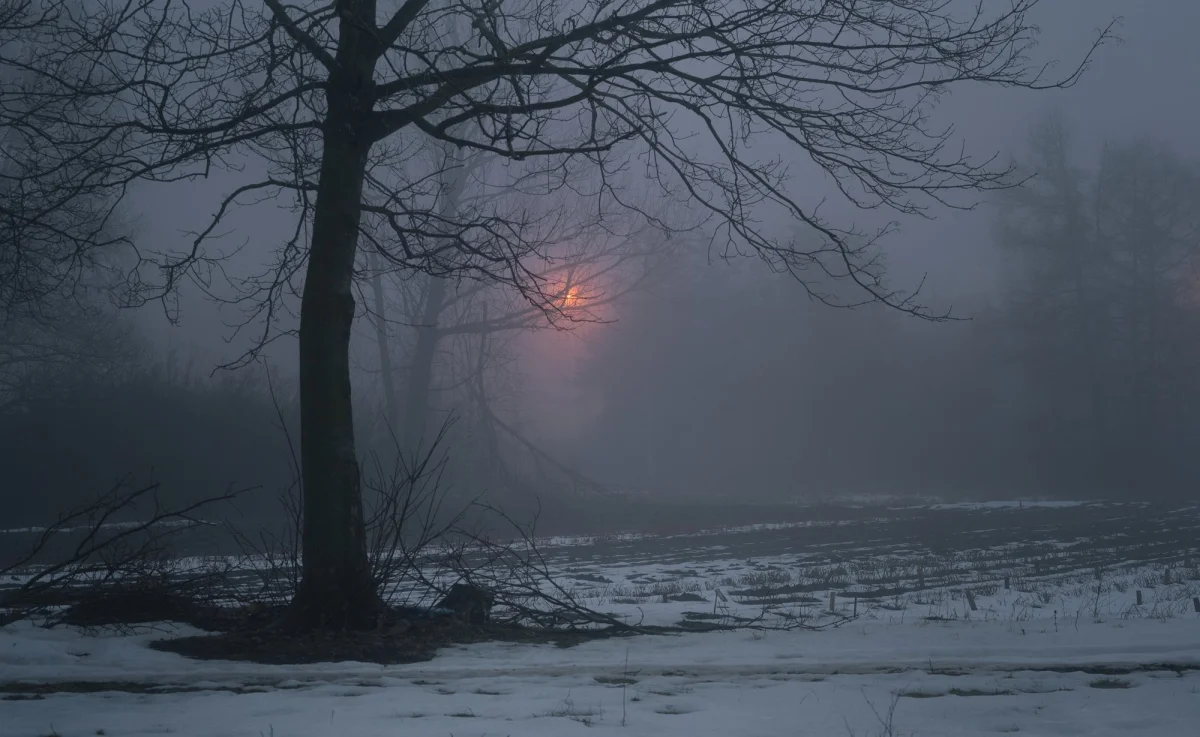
1125, 677
1064, 650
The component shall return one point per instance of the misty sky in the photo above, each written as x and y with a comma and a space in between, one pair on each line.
1145, 85
726, 376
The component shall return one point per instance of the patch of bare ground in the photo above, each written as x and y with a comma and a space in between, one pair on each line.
403, 637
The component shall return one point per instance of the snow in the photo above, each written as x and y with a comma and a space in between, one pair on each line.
536, 707
1066, 650
1009, 676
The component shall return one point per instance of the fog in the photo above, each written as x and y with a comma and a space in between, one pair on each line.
727, 381
695, 376
692, 367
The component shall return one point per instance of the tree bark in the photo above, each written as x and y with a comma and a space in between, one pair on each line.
336, 590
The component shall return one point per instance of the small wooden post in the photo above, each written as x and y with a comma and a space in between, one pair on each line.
1139, 597
1196, 604
971, 601
1007, 587
855, 614
1167, 577
832, 601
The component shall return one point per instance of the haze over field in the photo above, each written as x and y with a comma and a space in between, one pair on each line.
649, 367
681, 374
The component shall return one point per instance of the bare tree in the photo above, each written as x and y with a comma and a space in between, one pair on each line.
1103, 309
59, 234
1149, 227
330, 98
446, 328
451, 323
1055, 292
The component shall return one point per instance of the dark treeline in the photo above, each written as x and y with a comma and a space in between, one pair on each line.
80, 415
87, 401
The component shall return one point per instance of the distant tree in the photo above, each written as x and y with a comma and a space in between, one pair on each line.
1147, 210
59, 229
328, 95
1055, 285
1101, 300
59, 234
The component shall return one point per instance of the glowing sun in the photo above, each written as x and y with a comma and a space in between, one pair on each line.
572, 298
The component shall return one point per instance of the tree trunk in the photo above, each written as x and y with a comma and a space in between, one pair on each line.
392, 412
420, 382
416, 405
336, 590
